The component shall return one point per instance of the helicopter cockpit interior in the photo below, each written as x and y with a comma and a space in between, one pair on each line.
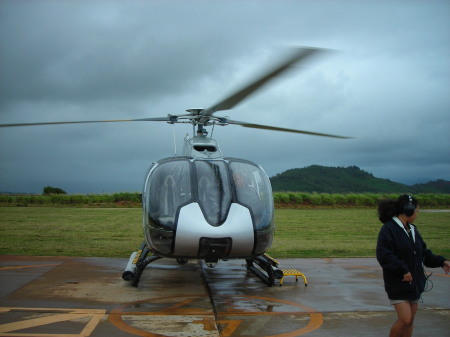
214, 185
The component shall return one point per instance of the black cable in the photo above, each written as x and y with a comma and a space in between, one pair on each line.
428, 283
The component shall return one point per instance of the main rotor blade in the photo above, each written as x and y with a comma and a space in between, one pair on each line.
298, 54
275, 128
156, 119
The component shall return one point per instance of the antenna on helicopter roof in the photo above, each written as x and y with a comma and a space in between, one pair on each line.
174, 140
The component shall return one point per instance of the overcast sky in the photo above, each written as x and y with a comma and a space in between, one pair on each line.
387, 84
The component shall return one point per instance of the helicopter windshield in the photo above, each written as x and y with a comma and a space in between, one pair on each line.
170, 187
178, 181
253, 191
214, 190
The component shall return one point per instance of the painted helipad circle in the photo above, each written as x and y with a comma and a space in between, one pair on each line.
235, 315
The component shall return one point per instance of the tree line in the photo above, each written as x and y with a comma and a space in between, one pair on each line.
281, 200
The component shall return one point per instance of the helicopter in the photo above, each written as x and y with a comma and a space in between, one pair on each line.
203, 205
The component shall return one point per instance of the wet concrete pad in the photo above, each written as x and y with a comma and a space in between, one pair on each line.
87, 297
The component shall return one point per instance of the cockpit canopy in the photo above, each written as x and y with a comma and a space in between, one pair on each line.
213, 184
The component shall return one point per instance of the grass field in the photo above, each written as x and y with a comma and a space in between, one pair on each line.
107, 232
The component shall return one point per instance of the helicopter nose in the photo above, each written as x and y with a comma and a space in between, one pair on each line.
213, 248
196, 237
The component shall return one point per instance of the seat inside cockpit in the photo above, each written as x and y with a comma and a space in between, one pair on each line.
168, 201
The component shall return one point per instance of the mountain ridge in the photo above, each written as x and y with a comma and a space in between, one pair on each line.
351, 179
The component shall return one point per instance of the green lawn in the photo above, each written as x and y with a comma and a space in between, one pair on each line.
116, 232
70, 231
346, 232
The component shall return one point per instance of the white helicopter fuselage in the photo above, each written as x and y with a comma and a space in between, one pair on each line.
204, 206
193, 228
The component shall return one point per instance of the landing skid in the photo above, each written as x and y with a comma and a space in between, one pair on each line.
137, 263
263, 267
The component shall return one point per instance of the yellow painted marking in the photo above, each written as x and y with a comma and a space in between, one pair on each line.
209, 324
441, 275
138, 255
228, 327
178, 305
361, 267
271, 258
367, 267
54, 316
315, 318
32, 266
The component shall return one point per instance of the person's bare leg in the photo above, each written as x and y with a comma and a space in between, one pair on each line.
409, 330
403, 326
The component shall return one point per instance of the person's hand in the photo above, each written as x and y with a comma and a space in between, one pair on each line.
446, 267
408, 277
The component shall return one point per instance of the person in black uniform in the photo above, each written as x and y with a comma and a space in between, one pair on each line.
402, 253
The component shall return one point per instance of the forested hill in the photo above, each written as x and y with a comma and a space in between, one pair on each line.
350, 179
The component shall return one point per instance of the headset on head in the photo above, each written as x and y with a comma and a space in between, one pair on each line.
409, 207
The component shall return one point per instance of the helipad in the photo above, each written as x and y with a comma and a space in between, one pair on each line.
62, 296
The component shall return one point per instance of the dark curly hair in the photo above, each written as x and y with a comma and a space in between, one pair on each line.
389, 208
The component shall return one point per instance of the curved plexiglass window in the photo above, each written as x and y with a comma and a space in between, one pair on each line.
169, 187
253, 190
210, 183
213, 190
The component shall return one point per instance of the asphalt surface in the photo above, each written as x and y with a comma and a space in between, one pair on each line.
71, 297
